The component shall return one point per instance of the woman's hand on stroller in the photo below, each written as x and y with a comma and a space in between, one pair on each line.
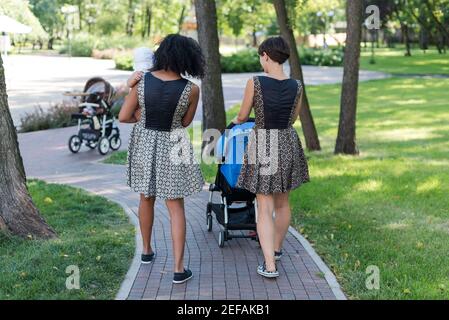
134, 79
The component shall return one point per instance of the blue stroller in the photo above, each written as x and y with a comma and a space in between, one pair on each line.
237, 209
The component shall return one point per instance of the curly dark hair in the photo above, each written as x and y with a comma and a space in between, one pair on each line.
179, 54
276, 48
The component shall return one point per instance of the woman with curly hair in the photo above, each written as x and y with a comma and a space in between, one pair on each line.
161, 161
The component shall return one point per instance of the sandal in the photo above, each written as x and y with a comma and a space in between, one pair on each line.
278, 255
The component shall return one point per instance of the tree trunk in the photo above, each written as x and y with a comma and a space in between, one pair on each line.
150, 18
346, 139
50, 43
254, 35
214, 115
181, 18
308, 125
406, 35
18, 214
80, 14
130, 20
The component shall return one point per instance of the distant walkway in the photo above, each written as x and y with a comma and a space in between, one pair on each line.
227, 273
41, 79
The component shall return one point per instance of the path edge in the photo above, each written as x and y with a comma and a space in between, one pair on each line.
130, 277
328, 274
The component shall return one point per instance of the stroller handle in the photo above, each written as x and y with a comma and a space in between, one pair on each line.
232, 124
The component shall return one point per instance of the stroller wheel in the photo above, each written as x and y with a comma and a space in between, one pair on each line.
115, 142
75, 143
221, 239
103, 146
209, 222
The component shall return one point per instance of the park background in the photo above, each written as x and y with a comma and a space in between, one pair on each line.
380, 199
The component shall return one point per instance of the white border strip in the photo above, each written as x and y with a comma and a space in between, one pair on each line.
127, 283
328, 275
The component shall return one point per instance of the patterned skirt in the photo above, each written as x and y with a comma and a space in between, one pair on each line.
162, 164
274, 162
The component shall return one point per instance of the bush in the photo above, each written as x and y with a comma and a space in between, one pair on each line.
242, 61
86, 45
321, 57
124, 62
81, 46
58, 116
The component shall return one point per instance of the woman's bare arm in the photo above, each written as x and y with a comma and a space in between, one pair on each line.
128, 111
298, 106
193, 104
247, 103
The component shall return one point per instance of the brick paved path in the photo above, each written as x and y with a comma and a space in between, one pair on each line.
227, 273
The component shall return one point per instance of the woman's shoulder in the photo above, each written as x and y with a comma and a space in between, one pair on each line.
194, 87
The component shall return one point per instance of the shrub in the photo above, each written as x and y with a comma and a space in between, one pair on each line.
106, 54
58, 116
331, 57
124, 62
81, 46
106, 47
242, 61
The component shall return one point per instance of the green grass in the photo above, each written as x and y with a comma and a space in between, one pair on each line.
388, 207
93, 234
119, 157
394, 61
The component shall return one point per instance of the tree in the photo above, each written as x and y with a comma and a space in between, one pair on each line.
246, 16
214, 116
18, 214
404, 19
308, 125
346, 139
50, 16
20, 10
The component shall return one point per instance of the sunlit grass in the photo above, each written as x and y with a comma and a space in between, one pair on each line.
394, 61
387, 207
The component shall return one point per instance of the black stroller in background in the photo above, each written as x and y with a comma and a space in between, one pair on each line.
96, 123
237, 209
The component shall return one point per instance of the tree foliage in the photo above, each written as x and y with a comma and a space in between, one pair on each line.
20, 10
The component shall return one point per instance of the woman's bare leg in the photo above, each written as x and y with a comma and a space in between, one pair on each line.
178, 231
146, 218
282, 218
265, 229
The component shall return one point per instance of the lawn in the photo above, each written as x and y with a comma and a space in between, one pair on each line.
394, 61
93, 234
387, 207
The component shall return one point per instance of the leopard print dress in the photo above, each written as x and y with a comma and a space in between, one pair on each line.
162, 164
275, 160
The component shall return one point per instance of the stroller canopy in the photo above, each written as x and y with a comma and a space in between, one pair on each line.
101, 87
231, 148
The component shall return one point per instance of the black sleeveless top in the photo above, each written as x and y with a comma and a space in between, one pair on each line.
161, 99
279, 99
